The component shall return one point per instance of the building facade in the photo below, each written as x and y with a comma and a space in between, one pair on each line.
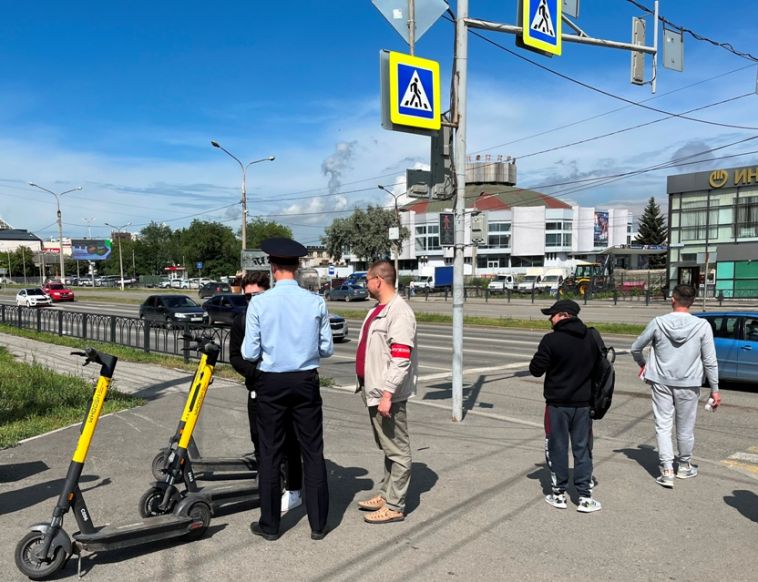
713, 224
511, 229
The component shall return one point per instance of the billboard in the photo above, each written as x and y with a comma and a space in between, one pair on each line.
601, 229
90, 249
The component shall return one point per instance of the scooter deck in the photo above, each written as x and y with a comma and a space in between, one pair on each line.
111, 537
221, 464
226, 494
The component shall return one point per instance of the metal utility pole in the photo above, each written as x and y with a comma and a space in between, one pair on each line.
459, 112
118, 230
412, 26
244, 168
60, 222
396, 243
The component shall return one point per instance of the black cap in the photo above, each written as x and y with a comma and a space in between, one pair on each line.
562, 306
283, 251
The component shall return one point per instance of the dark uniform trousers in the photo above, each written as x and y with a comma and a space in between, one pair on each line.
293, 395
293, 467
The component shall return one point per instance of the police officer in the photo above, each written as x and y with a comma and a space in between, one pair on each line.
288, 329
252, 284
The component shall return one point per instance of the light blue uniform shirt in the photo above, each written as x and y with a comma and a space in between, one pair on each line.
288, 329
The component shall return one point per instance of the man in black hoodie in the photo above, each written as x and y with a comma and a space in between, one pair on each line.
568, 357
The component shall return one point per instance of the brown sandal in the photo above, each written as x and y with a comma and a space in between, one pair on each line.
376, 502
384, 515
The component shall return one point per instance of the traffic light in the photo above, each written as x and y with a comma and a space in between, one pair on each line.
447, 229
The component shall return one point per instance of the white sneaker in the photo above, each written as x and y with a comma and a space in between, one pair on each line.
588, 505
557, 500
291, 500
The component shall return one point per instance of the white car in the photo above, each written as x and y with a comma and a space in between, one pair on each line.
421, 283
33, 297
501, 284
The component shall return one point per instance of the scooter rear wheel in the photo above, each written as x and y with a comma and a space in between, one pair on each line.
27, 562
202, 512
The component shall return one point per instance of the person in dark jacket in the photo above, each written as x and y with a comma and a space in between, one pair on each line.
568, 357
252, 284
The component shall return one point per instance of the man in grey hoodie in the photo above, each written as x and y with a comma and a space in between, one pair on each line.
682, 353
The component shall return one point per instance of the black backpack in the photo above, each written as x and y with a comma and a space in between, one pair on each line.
603, 378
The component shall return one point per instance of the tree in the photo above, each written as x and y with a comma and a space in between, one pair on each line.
212, 244
259, 230
364, 233
652, 230
156, 249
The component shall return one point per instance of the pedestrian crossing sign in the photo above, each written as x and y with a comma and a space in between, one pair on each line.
414, 86
541, 23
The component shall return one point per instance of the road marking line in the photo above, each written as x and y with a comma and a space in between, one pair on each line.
747, 467
747, 457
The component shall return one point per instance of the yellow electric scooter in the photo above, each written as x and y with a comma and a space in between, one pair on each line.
47, 547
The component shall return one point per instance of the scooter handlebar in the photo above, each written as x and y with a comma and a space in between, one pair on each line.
106, 361
197, 342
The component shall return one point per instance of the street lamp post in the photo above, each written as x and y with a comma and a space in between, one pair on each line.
244, 168
118, 229
396, 243
60, 222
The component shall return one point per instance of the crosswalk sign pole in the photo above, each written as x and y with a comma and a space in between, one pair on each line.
459, 107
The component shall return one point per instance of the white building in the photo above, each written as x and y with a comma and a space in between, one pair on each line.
519, 229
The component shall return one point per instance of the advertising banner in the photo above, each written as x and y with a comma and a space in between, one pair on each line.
90, 249
601, 229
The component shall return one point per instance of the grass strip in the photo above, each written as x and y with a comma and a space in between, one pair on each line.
127, 354
35, 400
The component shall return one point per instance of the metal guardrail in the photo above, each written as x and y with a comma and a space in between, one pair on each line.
116, 329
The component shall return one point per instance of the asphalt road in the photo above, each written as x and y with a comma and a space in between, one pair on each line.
476, 509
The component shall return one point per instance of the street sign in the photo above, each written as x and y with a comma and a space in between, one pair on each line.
396, 12
199, 265
542, 25
571, 8
254, 260
414, 92
331, 271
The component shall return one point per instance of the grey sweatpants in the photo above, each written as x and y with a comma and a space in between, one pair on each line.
668, 403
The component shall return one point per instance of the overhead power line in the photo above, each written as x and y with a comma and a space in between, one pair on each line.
608, 93
724, 45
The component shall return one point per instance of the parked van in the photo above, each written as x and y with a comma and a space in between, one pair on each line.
501, 283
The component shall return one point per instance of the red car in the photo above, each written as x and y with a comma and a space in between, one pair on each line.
58, 291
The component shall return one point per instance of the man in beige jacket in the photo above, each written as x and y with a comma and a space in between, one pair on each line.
386, 370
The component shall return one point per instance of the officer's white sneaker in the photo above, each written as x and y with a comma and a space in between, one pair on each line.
291, 500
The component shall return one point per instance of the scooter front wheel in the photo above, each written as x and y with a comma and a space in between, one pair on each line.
149, 503
30, 565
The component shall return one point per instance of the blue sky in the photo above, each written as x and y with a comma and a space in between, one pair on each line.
123, 98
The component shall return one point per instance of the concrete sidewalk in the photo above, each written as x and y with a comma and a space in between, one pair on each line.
475, 509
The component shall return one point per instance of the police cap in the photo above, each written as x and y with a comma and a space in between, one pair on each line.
283, 251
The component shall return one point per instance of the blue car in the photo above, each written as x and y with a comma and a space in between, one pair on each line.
736, 336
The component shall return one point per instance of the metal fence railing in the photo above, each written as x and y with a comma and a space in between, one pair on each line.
116, 329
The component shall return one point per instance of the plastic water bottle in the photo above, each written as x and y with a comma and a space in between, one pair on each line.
709, 405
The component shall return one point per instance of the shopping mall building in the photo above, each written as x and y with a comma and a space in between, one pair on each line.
713, 223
